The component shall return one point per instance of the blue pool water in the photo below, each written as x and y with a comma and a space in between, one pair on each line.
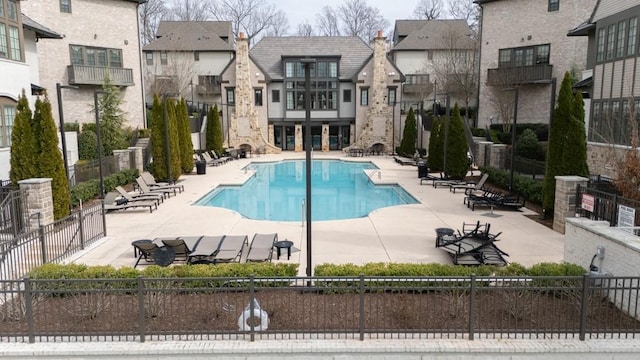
339, 190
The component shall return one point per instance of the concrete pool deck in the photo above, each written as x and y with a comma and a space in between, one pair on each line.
396, 234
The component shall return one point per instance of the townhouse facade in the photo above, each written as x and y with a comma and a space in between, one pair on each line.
353, 90
524, 48
186, 60
20, 37
614, 60
99, 38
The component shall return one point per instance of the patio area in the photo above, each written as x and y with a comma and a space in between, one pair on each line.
395, 234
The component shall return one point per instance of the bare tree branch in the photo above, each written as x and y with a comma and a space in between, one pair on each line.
327, 22
305, 29
190, 10
359, 19
151, 13
279, 25
248, 16
465, 9
428, 9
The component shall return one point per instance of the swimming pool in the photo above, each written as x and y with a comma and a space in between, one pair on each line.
339, 190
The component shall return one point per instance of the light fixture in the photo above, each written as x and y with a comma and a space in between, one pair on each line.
257, 74
95, 36
364, 73
393, 73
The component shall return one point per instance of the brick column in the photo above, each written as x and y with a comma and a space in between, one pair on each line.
123, 159
39, 201
325, 137
139, 159
565, 203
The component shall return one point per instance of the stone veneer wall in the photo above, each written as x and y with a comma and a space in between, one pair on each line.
377, 127
244, 127
603, 159
565, 204
39, 200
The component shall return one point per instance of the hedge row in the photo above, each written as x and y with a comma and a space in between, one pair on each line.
530, 189
91, 189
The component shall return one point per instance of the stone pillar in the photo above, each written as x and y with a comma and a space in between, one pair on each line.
497, 156
352, 134
271, 134
39, 200
565, 203
298, 138
139, 158
482, 148
122, 157
325, 137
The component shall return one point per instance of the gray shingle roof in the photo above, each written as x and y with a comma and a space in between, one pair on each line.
353, 52
438, 34
406, 27
191, 36
41, 31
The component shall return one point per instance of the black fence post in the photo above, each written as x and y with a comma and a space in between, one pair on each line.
104, 218
81, 229
252, 297
584, 301
43, 244
361, 292
141, 323
472, 290
29, 310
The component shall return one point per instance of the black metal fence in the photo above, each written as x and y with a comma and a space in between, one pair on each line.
49, 243
605, 205
139, 309
13, 210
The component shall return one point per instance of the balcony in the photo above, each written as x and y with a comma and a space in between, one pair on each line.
208, 90
536, 74
94, 75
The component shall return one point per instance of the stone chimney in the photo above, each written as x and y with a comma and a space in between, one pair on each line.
244, 127
377, 126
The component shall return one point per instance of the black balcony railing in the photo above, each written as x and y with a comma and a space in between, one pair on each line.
210, 89
520, 75
94, 75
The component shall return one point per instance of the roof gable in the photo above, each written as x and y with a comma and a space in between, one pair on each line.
191, 36
438, 34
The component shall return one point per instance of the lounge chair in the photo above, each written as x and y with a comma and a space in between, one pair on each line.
158, 198
145, 189
207, 247
216, 156
211, 161
475, 246
151, 182
469, 186
434, 176
182, 246
261, 248
230, 249
112, 203
404, 160
146, 250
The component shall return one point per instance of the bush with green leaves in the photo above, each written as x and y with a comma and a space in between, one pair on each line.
436, 147
527, 145
409, 135
530, 189
457, 162
23, 162
87, 145
91, 189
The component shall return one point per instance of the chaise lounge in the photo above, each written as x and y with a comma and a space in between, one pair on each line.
261, 248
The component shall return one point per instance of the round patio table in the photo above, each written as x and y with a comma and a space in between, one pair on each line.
164, 256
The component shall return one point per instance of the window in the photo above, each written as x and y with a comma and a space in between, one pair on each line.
611, 41
524, 56
346, 95
391, 95
417, 79
231, 96
163, 58
90, 56
149, 57
364, 96
594, 123
65, 6
323, 85
11, 38
554, 5
257, 95
601, 44
7, 115
196, 55
633, 31
621, 38
275, 95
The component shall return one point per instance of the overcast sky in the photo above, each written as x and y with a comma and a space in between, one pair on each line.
297, 10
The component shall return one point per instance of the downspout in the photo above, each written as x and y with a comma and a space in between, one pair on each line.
144, 103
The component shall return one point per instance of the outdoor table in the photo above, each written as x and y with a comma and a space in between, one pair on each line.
284, 244
164, 256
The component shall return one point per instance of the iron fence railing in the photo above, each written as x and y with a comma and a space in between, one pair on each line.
13, 211
49, 243
90, 169
605, 205
139, 309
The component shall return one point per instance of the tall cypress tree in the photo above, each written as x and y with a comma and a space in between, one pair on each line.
436, 142
217, 131
408, 143
174, 142
49, 162
22, 143
112, 118
574, 159
457, 162
557, 139
186, 145
159, 165
210, 129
